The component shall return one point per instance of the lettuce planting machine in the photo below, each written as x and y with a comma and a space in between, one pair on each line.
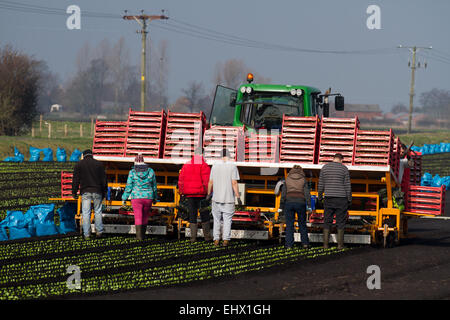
268, 129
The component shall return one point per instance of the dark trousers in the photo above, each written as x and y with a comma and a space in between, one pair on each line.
290, 209
193, 204
335, 207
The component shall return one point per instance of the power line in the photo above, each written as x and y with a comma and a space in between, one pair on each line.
202, 32
192, 30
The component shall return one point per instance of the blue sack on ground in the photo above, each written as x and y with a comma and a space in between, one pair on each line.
447, 147
18, 155
446, 182
3, 234
35, 154
437, 181
76, 155
61, 155
45, 219
17, 225
67, 218
31, 219
48, 154
426, 179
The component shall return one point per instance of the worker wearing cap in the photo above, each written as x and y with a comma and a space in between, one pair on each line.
90, 178
142, 190
334, 181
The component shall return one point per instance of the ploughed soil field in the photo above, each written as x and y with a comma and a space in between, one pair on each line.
159, 268
418, 268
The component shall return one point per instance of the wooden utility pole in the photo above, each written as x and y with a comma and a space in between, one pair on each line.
413, 67
142, 20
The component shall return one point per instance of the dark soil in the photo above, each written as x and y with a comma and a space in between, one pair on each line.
418, 268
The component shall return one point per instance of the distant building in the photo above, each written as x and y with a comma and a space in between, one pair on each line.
363, 111
56, 108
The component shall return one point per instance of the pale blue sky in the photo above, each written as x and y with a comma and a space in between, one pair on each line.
319, 24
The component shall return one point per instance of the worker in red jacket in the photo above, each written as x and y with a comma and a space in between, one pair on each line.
193, 184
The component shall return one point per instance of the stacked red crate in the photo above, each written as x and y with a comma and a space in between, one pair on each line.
184, 132
299, 139
66, 184
337, 135
109, 138
262, 148
373, 148
426, 200
217, 138
145, 133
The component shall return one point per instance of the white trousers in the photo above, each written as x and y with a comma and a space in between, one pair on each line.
225, 212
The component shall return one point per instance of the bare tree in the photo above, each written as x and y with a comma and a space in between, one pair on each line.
233, 72
19, 87
436, 103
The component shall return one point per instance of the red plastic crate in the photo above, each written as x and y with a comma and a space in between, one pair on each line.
184, 133
425, 200
374, 148
262, 148
217, 138
299, 139
145, 133
337, 135
109, 138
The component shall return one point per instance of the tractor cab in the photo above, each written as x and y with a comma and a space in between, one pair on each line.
262, 106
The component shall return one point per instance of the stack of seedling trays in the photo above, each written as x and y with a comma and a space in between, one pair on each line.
299, 139
395, 157
184, 132
337, 135
217, 138
425, 200
109, 138
373, 148
262, 148
66, 184
145, 133
416, 170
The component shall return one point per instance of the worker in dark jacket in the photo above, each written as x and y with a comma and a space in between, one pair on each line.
90, 178
295, 198
334, 181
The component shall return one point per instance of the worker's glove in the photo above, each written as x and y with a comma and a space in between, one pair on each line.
308, 209
208, 197
124, 203
239, 201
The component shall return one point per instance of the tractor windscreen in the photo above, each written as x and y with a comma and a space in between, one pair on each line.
264, 110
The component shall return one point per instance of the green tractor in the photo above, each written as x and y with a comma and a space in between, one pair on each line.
261, 106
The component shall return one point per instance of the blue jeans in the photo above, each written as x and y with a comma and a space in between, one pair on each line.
86, 210
290, 209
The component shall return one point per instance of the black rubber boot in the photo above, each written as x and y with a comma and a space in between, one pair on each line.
326, 236
139, 232
207, 231
193, 227
340, 239
144, 231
